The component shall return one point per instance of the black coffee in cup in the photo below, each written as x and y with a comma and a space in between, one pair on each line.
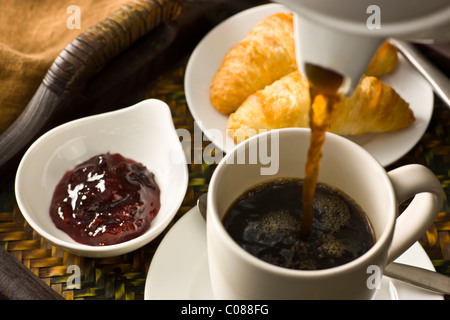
266, 222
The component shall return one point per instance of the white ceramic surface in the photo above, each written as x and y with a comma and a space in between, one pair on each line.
406, 18
328, 36
236, 274
208, 55
179, 268
143, 132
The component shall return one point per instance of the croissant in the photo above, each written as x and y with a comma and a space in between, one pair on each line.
373, 107
385, 60
266, 54
285, 103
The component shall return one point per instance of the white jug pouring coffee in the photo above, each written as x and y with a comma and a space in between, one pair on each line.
342, 36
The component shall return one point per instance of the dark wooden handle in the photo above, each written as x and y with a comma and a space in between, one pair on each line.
92, 50
80, 61
19, 283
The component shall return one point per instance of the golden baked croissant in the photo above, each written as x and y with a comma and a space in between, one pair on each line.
285, 103
385, 60
373, 107
266, 54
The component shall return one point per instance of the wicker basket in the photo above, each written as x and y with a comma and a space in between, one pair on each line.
77, 65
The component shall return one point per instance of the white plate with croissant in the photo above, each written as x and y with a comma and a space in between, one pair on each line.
242, 79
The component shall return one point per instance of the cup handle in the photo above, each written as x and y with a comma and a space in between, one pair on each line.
419, 182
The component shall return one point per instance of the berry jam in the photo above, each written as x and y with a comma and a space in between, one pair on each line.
105, 200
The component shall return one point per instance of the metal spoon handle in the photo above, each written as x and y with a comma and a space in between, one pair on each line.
438, 80
420, 277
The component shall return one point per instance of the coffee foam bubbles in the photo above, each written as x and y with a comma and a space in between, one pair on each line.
334, 211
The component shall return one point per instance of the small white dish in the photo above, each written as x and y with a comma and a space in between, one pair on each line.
179, 268
144, 132
208, 55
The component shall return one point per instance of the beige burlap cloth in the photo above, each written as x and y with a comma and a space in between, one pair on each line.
32, 34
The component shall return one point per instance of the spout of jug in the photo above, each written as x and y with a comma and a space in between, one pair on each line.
341, 36
341, 53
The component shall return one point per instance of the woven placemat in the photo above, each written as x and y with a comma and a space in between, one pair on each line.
433, 151
123, 277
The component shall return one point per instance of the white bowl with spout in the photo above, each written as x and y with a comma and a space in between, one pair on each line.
144, 132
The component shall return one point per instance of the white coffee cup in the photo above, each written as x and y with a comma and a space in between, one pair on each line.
236, 274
